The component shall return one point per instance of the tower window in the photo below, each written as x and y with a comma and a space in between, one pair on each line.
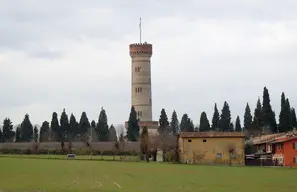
137, 69
139, 113
138, 89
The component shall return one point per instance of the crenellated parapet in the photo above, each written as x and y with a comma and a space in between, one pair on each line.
138, 49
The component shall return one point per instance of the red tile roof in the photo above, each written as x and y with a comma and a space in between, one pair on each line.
211, 134
282, 140
266, 138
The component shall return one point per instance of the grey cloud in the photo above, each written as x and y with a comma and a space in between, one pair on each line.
45, 54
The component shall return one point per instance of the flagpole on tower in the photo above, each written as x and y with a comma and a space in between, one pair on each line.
140, 29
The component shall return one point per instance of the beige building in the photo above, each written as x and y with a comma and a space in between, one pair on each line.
212, 147
141, 89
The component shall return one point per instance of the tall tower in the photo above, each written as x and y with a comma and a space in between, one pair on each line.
141, 87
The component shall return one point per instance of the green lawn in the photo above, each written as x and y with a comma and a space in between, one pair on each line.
36, 175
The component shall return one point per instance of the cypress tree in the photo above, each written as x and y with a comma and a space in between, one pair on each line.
268, 115
84, 124
26, 130
293, 118
204, 123
215, 123
55, 127
112, 135
7, 133
163, 123
64, 128
225, 118
289, 116
44, 133
73, 128
184, 122
35, 134
285, 121
190, 127
18, 134
238, 125
248, 119
102, 126
174, 124
231, 127
258, 115
133, 127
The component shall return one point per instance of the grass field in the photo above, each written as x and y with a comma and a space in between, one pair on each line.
33, 175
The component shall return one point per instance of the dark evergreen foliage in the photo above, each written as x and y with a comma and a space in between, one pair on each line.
26, 130
174, 124
215, 123
238, 125
18, 134
258, 115
64, 127
231, 127
44, 133
73, 128
186, 124
163, 123
225, 119
7, 131
293, 118
112, 135
204, 123
102, 126
268, 115
248, 119
35, 134
55, 127
84, 124
285, 117
133, 127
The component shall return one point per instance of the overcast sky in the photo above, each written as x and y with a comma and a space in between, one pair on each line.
73, 54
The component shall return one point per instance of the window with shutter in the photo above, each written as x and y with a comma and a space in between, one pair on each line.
295, 159
295, 145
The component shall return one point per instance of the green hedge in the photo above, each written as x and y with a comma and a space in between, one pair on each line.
60, 152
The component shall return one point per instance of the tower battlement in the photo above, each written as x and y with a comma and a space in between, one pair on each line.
140, 48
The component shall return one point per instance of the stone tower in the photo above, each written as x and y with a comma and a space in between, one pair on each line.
141, 92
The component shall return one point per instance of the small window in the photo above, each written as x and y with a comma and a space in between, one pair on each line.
204, 140
137, 69
295, 145
189, 140
233, 156
219, 155
295, 159
138, 89
139, 113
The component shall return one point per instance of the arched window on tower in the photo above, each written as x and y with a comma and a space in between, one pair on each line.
137, 69
138, 89
139, 113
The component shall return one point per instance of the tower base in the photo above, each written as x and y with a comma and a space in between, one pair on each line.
152, 126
